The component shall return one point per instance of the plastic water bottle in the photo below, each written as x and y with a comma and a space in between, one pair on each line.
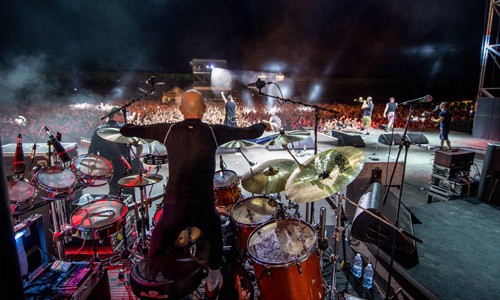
357, 266
368, 276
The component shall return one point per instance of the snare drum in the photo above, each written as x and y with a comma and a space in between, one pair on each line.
55, 179
226, 187
21, 195
285, 260
250, 213
92, 169
98, 219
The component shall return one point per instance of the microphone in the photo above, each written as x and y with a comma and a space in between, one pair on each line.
125, 162
19, 165
61, 152
221, 162
426, 98
436, 109
258, 84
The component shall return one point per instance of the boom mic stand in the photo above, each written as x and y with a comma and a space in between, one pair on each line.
406, 144
260, 84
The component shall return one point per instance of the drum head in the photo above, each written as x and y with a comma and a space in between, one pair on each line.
98, 215
254, 210
92, 166
224, 178
20, 191
55, 179
282, 242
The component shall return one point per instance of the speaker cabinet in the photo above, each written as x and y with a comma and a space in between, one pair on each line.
487, 119
389, 139
350, 140
417, 138
490, 175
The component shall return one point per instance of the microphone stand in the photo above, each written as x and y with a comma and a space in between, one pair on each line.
317, 109
406, 144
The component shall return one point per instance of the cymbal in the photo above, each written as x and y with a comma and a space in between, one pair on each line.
325, 174
284, 138
238, 144
113, 134
268, 177
139, 180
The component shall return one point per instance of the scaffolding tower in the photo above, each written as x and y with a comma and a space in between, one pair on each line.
202, 76
489, 83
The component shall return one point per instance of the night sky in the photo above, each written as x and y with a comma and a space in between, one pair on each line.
433, 45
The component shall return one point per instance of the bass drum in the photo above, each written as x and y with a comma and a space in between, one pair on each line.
99, 219
286, 261
92, 169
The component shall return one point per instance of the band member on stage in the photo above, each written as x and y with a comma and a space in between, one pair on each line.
444, 121
114, 153
230, 119
367, 108
189, 196
390, 113
275, 122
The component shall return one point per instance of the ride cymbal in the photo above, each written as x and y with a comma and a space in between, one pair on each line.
139, 180
238, 144
113, 134
325, 174
268, 177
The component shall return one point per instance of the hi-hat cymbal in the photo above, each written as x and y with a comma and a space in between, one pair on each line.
284, 138
268, 177
139, 180
325, 174
113, 134
238, 144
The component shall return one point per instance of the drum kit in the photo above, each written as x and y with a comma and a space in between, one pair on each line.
284, 250
94, 220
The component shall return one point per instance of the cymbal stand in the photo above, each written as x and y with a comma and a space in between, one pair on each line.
244, 156
339, 232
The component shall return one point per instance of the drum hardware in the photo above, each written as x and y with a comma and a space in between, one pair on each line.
268, 177
238, 145
142, 213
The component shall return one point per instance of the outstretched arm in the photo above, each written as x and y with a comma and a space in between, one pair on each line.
223, 97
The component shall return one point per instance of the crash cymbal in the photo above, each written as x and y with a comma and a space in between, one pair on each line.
284, 138
139, 180
238, 144
268, 177
113, 134
325, 174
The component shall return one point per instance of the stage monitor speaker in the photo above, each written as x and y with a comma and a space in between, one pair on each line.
376, 230
417, 138
487, 119
350, 140
488, 185
390, 139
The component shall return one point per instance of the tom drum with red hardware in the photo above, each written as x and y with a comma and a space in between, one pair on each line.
226, 187
56, 179
92, 169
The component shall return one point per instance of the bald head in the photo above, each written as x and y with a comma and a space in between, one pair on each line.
192, 104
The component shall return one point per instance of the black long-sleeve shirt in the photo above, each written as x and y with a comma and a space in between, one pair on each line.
191, 152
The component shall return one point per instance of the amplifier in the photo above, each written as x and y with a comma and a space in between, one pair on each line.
454, 158
458, 186
448, 173
437, 194
82, 280
41, 155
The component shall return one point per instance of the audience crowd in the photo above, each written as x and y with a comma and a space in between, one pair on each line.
76, 122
